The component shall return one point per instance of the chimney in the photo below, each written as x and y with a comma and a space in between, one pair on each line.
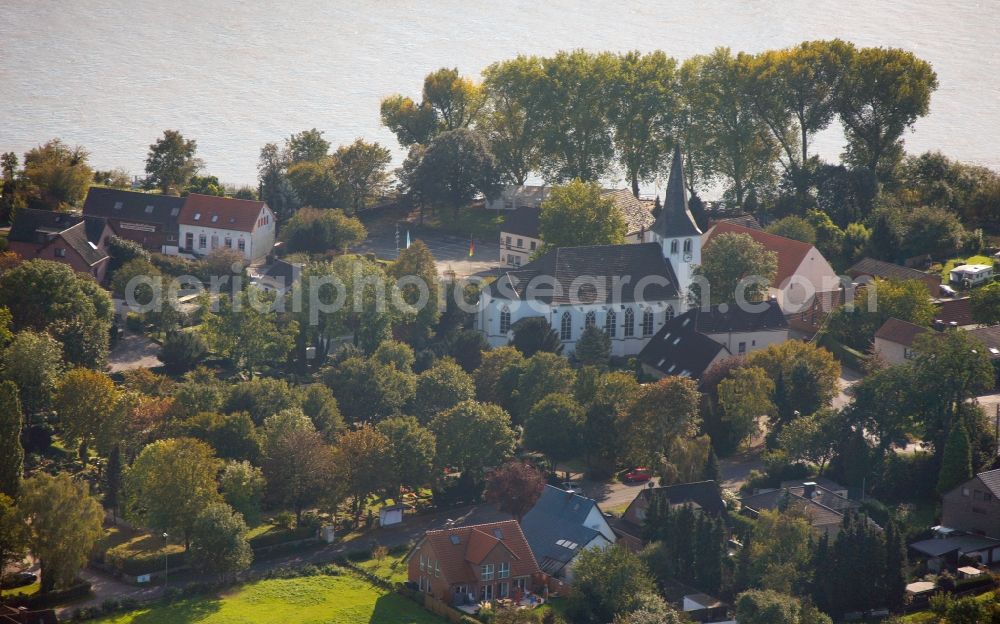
809, 489
939, 325
953, 325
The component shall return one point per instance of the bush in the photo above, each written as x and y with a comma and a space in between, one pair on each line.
134, 322
59, 596
285, 519
182, 351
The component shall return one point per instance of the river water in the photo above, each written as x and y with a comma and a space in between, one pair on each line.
111, 75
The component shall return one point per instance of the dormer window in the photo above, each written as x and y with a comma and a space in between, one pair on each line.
215, 218
149, 209
118, 205
197, 216
673, 246
687, 245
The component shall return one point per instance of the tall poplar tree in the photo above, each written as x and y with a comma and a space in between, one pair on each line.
11, 451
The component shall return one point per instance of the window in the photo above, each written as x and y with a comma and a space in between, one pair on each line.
202, 241
673, 246
174, 212
455, 539
520, 243
503, 590
189, 240
504, 571
437, 568
504, 320
629, 323
965, 491
486, 572
533, 245
687, 245
486, 593
517, 261
197, 216
241, 245
229, 242
61, 252
742, 348
590, 320
149, 209
647, 322
521, 583
215, 241
611, 323
510, 259
669, 313
215, 218
508, 242
423, 563
118, 205
566, 327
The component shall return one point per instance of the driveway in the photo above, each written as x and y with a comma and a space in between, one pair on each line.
134, 351
848, 377
451, 252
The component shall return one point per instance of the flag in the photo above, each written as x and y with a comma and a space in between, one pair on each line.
407, 239
472, 247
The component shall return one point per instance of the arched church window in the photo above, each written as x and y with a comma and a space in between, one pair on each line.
669, 314
566, 327
611, 323
504, 320
687, 245
673, 246
590, 320
647, 323
629, 323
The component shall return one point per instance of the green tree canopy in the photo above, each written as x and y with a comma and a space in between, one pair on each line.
795, 228
578, 214
243, 486
441, 387
171, 162
361, 171
607, 582
306, 146
456, 167
417, 277
734, 262
88, 405
554, 426
473, 437
219, 541
410, 451
11, 451
986, 304
298, 468
33, 362
316, 230
57, 175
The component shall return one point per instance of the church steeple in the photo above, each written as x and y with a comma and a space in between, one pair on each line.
676, 220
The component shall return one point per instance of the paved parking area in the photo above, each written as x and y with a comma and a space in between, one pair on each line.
451, 252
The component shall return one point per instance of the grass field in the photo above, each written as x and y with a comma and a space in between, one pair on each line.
308, 600
391, 567
27, 590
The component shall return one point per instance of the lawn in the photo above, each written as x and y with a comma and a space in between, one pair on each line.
26, 590
476, 221
391, 567
307, 600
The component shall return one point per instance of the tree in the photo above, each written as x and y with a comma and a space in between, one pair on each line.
34, 363
456, 167
883, 92
765, 606
780, 551
603, 438
87, 403
247, 333
57, 175
514, 487
986, 304
243, 486
511, 117
875, 303
183, 350
52, 297
541, 375
298, 465
274, 188
441, 387
606, 583
450, 102
64, 523
662, 414
171, 162
554, 426
306, 146
745, 397
417, 278
360, 458
261, 397
735, 263
795, 228
205, 185
412, 123
410, 451
233, 436
811, 438
497, 375
219, 541
534, 334
361, 169
593, 348
473, 437
577, 213
13, 535
643, 105
956, 464
11, 451
314, 184
321, 407
805, 377
170, 482
316, 230
122, 250
933, 231
369, 390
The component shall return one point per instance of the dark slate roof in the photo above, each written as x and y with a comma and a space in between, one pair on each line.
900, 332
283, 270
991, 479
83, 234
958, 311
736, 319
678, 348
676, 219
554, 527
939, 546
886, 270
989, 336
133, 206
605, 263
744, 220
522, 221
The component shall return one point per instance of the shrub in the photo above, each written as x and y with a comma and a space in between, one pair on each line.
285, 519
134, 322
182, 351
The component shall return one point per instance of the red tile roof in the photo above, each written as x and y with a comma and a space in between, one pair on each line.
224, 213
790, 252
460, 561
900, 332
957, 311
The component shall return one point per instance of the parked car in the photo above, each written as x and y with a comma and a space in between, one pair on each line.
18, 580
947, 291
638, 475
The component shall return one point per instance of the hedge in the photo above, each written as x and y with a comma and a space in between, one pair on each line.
55, 597
849, 357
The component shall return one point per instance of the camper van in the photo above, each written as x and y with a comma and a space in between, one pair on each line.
970, 275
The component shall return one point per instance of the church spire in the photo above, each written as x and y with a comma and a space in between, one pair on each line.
676, 220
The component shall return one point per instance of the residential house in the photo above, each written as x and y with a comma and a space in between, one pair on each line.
974, 506
990, 337
80, 242
560, 526
802, 270
690, 343
146, 218
706, 608
954, 313
520, 235
894, 340
871, 268
462, 565
824, 507
628, 290
948, 546
705, 496
208, 222
278, 277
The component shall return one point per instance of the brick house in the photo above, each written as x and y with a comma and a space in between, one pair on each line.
974, 506
70, 239
470, 564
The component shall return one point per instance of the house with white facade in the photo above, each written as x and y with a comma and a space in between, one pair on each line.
207, 223
628, 290
802, 271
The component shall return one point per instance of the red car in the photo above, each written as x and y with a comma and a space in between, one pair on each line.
638, 475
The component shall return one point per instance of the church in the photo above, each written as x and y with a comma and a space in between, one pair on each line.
629, 291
